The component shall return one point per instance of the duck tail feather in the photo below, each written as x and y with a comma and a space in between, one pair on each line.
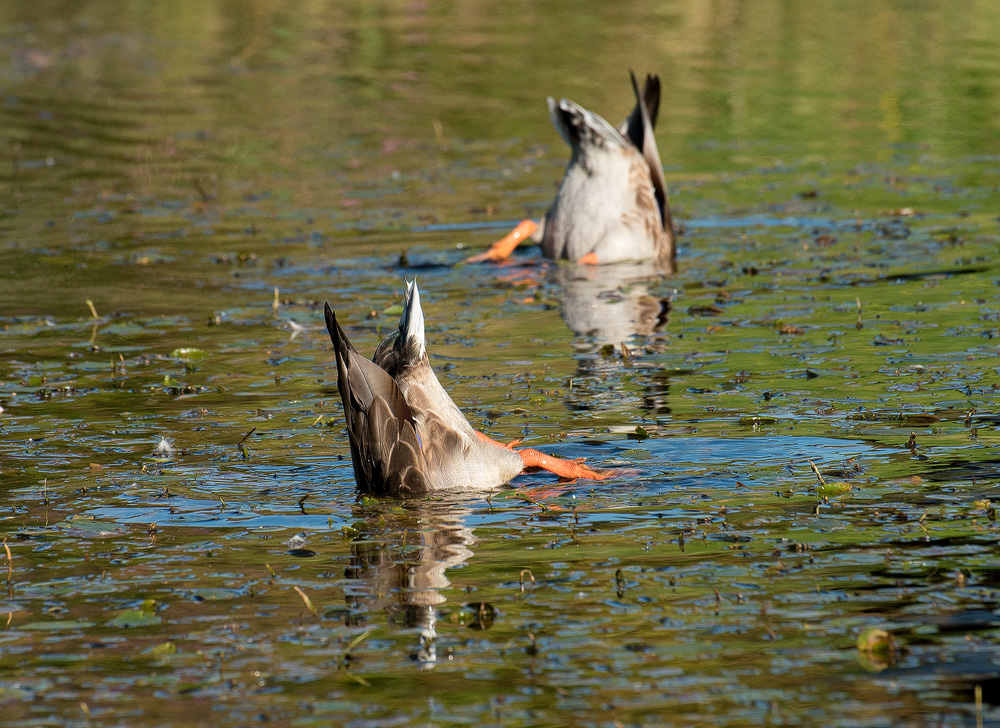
640, 131
411, 323
379, 420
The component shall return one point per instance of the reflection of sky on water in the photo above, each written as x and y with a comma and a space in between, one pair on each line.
682, 460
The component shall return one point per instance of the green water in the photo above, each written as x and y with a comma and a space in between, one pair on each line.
835, 167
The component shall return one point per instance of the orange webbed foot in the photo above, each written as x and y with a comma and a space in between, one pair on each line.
502, 249
589, 259
571, 469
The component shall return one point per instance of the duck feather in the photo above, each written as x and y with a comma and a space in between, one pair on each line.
407, 435
381, 427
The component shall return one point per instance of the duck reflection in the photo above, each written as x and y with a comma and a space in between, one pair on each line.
610, 304
619, 306
398, 565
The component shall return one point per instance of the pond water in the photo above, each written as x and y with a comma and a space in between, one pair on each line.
804, 418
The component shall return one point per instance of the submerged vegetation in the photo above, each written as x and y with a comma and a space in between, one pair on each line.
805, 417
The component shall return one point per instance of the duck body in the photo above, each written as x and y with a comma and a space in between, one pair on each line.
605, 204
407, 435
455, 455
612, 202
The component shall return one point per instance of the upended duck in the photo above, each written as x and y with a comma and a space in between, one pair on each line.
612, 203
407, 436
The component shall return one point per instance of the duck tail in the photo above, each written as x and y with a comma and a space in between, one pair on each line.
385, 447
640, 125
411, 324
580, 128
342, 349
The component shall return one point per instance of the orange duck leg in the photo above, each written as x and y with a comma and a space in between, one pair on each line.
502, 249
570, 469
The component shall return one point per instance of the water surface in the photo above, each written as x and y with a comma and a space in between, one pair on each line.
207, 175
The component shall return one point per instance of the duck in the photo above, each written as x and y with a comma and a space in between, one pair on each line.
407, 436
612, 204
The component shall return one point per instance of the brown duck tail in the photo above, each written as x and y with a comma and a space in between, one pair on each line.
385, 448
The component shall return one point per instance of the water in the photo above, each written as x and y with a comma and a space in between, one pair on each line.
835, 170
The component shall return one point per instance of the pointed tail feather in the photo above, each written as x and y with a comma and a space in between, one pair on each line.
336, 333
381, 427
632, 126
342, 349
651, 95
411, 323
640, 131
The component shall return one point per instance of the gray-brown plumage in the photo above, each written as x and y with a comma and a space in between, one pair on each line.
612, 201
407, 435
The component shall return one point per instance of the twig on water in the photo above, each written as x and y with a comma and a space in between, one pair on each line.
355, 642
308, 602
530, 576
818, 474
345, 655
532, 501
241, 446
253, 430
439, 135
10, 562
